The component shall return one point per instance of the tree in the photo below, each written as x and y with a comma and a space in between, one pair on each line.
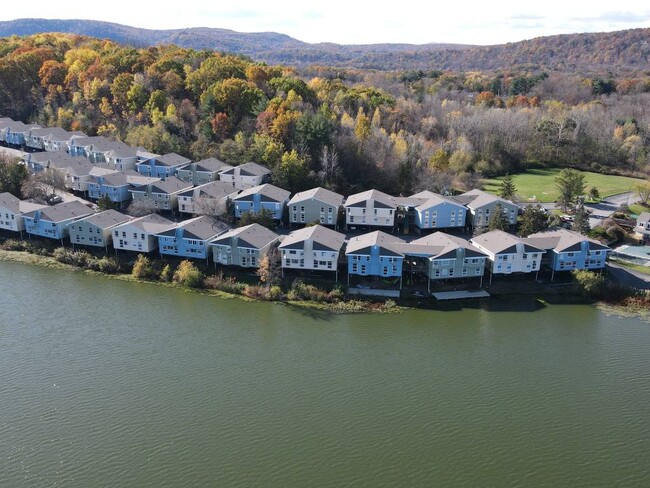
581, 220
12, 175
498, 220
507, 188
105, 203
263, 217
571, 184
42, 186
534, 219
643, 191
270, 269
142, 207
594, 194
292, 173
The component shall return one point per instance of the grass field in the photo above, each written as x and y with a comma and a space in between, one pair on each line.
637, 208
539, 184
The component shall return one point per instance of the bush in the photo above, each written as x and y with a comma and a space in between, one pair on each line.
302, 291
591, 284
275, 293
188, 275
143, 268
221, 283
108, 265
79, 259
167, 274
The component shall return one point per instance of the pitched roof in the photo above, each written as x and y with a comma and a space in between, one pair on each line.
170, 185
444, 245
643, 217
320, 194
359, 199
152, 223
324, 239
430, 199
478, 198
252, 236
211, 165
200, 228
267, 191
248, 169
62, 211
18, 126
213, 189
171, 159
497, 241
107, 219
562, 240
389, 243
10, 202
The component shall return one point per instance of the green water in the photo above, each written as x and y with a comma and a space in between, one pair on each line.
112, 384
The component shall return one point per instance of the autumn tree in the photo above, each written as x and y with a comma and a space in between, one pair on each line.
270, 269
41, 186
293, 173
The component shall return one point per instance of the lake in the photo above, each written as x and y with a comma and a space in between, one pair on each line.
106, 383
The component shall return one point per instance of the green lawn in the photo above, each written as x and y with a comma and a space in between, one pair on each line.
637, 209
539, 184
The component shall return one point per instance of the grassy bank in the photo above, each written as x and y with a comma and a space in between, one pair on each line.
539, 184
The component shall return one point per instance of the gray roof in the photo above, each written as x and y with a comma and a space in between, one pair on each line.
320, 194
389, 244
57, 159
214, 189
169, 186
248, 169
444, 245
108, 219
497, 242
152, 223
200, 228
87, 141
430, 199
359, 199
84, 167
643, 217
18, 126
562, 240
324, 239
267, 192
60, 134
62, 211
252, 236
212, 165
478, 198
172, 159
16, 205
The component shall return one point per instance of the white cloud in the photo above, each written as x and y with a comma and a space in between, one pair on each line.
473, 22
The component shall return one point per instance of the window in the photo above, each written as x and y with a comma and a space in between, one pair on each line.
363, 269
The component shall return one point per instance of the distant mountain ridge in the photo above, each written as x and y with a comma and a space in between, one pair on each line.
627, 50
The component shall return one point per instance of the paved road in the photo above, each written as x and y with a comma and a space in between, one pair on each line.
600, 211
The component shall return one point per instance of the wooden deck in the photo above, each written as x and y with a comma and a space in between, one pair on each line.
460, 295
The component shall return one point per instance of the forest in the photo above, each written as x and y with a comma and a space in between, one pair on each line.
344, 129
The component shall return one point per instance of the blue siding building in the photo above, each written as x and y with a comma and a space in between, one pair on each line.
567, 250
53, 222
375, 254
262, 197
437, 212
191, 238
162, 166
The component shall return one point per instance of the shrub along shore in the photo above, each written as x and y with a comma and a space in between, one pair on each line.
591, 287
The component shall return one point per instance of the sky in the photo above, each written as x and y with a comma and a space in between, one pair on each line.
359, 22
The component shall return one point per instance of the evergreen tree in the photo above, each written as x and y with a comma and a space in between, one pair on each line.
533, 220
581, 220
507, 188
498, 220
571, 184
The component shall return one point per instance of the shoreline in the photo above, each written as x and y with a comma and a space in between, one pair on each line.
345, 305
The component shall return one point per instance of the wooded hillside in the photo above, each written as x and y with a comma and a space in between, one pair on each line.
344, 129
